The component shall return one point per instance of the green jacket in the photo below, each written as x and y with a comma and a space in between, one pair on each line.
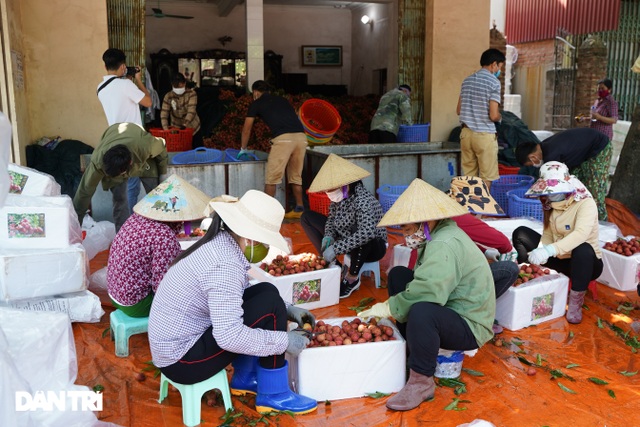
452, 272
148, 159
393, 109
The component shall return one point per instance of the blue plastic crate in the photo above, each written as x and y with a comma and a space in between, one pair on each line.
231, 155
524, 207
502, 185
198, 156
388, 194
414, 133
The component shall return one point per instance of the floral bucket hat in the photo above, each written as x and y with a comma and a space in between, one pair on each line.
554, 179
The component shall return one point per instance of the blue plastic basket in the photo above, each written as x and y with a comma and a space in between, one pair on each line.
231, 155
388, 194
198, 156
502, 185
524, 207
414, 133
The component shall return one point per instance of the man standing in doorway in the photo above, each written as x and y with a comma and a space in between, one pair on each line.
122, 94
478, 108
394, 108
288, 146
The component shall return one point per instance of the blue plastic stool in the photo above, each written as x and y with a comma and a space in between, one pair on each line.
192, 395
122, 327
373, 267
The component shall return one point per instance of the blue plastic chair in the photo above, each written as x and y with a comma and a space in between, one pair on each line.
192, 395
122, 327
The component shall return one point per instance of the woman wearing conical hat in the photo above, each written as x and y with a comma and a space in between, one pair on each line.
352, 225
147, 243
447, 301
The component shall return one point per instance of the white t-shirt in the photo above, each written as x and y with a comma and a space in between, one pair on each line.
5, 142
120, 100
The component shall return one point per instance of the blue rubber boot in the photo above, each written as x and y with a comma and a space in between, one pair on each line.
274, 393
245, 375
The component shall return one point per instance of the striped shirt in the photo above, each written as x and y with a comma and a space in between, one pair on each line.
139, 257
477, 90
205, 289
607, 107
354, 221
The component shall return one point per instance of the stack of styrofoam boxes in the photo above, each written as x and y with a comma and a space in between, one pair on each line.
41, 255
536, 301
348, 371
619, 271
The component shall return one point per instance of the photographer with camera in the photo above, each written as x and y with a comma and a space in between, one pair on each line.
122, 93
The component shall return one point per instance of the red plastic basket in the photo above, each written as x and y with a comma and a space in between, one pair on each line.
320, 120
176, 139
507, 170
319, 202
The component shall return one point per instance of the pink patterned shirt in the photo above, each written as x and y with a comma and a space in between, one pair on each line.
139, 258
607, 107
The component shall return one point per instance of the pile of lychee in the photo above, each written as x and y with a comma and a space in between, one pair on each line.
350, 332
530, 272
285, 265
623, 247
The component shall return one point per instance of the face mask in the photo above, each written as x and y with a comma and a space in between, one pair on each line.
255, 251
497, 74
536, 163
557, 197
179, 90
336, 196
417, 239
603, 93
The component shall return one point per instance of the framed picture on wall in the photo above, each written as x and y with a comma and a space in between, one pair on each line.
322, 56
190, 69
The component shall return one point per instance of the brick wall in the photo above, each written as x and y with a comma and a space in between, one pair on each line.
592, 66
535, 53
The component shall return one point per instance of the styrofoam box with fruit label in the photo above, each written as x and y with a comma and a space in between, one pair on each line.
311, 289
533, 302
619, 271
31, 182
348, 371
38, 222
42, 273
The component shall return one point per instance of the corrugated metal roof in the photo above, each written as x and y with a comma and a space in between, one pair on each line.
533, 20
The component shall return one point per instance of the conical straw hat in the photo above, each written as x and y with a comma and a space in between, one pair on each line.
336, 172
421, 202
173, 200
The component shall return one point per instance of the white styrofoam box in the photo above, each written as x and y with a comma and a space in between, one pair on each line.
348, 371
533, 302
401, 256
38, 222
31, 182
619, 271
187, 242
513, 104
607, 231
42, 273
620, 131
323, 285
83, 306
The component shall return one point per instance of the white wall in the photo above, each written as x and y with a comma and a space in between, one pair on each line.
286, 29
498, 14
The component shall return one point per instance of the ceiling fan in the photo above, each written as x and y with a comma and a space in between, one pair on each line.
157, 13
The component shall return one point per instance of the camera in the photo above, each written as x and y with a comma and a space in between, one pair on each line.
132, 71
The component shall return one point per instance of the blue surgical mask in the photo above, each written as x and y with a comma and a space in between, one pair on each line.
497, 74
557, 197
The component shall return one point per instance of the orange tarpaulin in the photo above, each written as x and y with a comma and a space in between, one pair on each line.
498, 388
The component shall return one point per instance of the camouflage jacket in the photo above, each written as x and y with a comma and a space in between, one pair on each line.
394, 108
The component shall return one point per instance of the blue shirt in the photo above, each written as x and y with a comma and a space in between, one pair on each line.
477, 90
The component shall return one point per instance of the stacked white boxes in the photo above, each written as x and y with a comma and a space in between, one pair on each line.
619, 271
41, 252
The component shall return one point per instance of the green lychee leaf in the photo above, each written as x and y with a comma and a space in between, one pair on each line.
564, 388
473, 373
377, 395
611, 393
599, 323
597, 381
628, 374
98, 388
572, 365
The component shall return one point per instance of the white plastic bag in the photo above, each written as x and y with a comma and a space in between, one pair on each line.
81, 306
99, 236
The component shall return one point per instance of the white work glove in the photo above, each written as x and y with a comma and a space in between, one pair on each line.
329, 254
380, 309
298, 341
492, 254
540, 256
510, 256
300, 316
326, 242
